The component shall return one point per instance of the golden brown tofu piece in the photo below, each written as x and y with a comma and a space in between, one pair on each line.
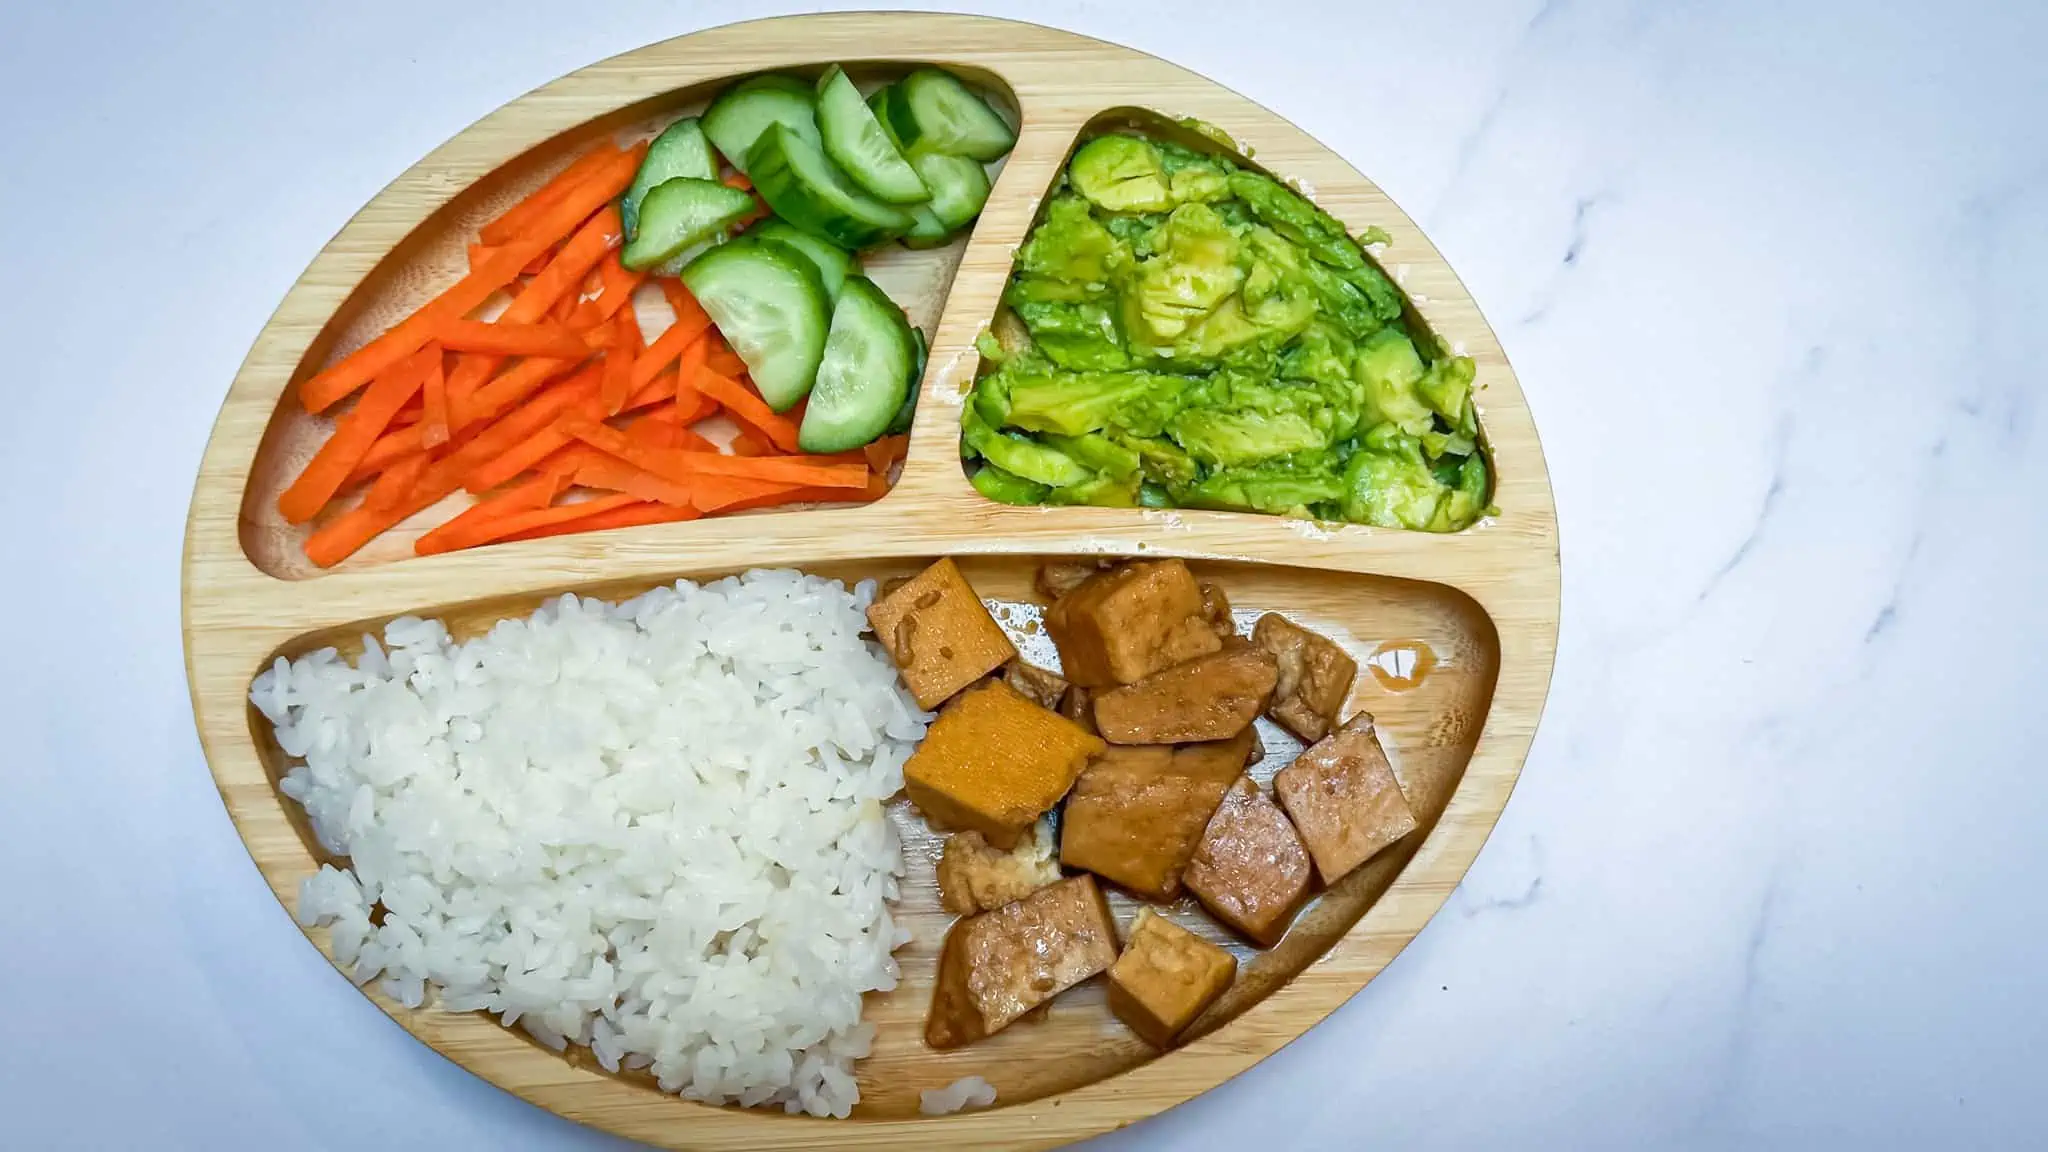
1136, 812
1035, 684
1122, 625
1216, 611
939, 634
1251, 869
1060, 577
1213, 698
974, 877
1078, 705
1342, 795
1255, 749
993, 762
1165, 978
1315, 676
999, 965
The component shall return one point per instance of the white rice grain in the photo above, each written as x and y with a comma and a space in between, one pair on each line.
653, 828
966, 1092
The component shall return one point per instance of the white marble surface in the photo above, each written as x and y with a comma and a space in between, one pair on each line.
1768, 272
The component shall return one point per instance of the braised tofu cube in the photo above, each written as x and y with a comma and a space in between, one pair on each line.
1315, 676
1136, 812
939, 634
1122, 625
1213, 698
1216, 611
1166, 976
1250, 869
1035, 684
995, 967
1343, 797
1060, 577
975, 877
993, 762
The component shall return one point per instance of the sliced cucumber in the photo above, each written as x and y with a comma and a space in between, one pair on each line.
681, 150
864, 374
801, 185
932, 111
679, 213
926, 229
904, 415
959, 188
769, 305
834, 264
743, 112
854, 139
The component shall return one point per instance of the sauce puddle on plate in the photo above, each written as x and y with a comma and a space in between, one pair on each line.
1401, 665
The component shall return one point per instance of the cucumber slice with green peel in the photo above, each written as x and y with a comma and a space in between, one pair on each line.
908, 413
855, 141
1006, 487
769, 305
679, 213
681, 150
736, 120
959, 188
834, 264
932, 111
926, 229
793, 175
864, 374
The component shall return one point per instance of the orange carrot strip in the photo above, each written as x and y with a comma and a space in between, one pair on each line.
491, 521
747, 407
692, 405
509, 388
679, 299
322, 390
616, 283
343, 536
618, 362
746, 495
354, 435
669, 346
601, 471
684, 467
598, 237
883, 454
434, 412
605, 181
516, 218
623, 516
502, 339
395, 483
738, 180
748, 442
392, 447
720, 358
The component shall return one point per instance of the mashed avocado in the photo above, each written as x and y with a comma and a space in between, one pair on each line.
1202, 336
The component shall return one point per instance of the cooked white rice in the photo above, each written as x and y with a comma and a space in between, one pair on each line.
654, 828
966, 1092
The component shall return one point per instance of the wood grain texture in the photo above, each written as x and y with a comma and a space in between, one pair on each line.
1486, 599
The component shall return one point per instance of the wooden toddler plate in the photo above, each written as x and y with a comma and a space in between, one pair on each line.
1483, 601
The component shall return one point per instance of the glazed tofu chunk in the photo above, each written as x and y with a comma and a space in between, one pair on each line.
1342, 795
1136, 812
996, 967
939, 634
1035, 684
1213, 698
1166, 976
1122, 625
1315, 676
1250, 870
975, 877
993, 762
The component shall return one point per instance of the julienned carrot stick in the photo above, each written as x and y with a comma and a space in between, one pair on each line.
618, 362
747, 442
685, 467
598, 237
434, 415
623, 516
884, 453
605, 181
720, 358
534, 450
322, 390
601, 471
471, 529
670, 345
616, 284
341, 537
395, 483
748, 408
680, 301
692, 405
744, 495
501, 339
354, 435
508, 388
517, 217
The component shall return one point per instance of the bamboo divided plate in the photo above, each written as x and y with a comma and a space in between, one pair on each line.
1483, 601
